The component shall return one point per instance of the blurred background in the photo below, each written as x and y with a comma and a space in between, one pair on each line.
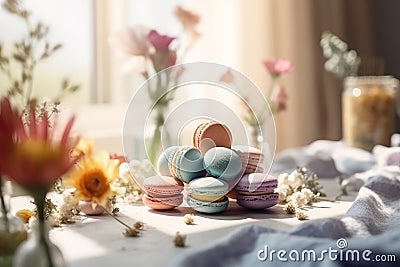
237, 33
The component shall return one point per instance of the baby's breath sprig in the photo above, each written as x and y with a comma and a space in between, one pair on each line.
299, 188
290, 208
340, 61
188, 218
180, 240
25, 55
301, 215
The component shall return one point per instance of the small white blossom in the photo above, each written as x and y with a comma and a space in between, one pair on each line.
308, 195
295, 179
301, 215
298, 199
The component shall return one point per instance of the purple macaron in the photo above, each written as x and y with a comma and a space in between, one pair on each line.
256, 191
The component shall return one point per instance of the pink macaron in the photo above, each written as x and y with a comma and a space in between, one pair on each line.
162, 192
211, 134
256, 191
252, 158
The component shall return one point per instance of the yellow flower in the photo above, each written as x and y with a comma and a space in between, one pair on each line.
92, 177
84, 147
25, 215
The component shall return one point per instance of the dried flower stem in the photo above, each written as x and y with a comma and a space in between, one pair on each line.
117, 219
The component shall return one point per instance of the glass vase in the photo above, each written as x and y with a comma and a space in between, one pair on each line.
35, 251
157, 135
368, 114
255, 137
12, 229
12, 234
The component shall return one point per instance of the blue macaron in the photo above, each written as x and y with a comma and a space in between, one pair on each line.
162, 163
207, 195
223, 163
186, 163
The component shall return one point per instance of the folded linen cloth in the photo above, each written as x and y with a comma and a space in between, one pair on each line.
370, 229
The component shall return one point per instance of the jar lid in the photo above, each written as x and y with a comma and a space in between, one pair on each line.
353, 81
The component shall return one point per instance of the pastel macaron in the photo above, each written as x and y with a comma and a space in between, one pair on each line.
252, 158
211, 134
162, 192
256, 191
207, 195
223, 163
186, 163
163, 160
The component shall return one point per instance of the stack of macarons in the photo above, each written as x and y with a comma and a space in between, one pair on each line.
222, 164
210, 168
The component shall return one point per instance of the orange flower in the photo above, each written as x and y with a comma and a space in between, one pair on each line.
188, 19
31, 157
189, 22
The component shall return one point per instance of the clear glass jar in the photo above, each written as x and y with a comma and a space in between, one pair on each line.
368, 110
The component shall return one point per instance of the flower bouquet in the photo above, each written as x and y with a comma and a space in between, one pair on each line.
275, 95
158, 52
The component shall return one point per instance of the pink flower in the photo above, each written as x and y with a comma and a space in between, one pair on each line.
163, 59
132, 40
32, 158
280, 97
119, 157
278, 67
160, 42
227, 77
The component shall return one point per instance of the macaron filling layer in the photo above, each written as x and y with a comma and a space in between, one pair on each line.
162, 203
208, 207
209, 186
258, 202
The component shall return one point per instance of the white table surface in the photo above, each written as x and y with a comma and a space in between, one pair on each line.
98, 240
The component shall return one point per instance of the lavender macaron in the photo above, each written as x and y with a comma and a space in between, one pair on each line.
256, 191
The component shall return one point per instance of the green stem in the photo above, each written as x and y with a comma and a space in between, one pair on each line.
3, 206
274, 78
40, 200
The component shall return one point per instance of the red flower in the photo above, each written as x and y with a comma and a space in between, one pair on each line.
31, 157
8, 118
278, 67
160, 42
